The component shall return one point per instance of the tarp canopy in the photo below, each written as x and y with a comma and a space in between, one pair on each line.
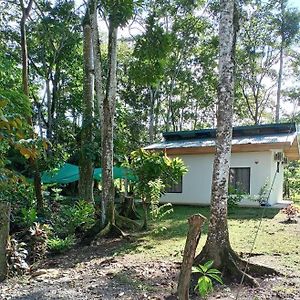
70, 173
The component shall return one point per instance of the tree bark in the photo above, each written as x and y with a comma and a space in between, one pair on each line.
217, 247
192, 240
218, 238
86, 166
107, 203
97, 64
4, 233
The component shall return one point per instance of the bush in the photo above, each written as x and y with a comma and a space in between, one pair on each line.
39, 234
73, 219
291, 213
57, 245
235, 196
16, 257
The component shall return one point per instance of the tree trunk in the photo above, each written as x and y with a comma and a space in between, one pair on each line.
218, 238
192, 240
217, 247
97, 64
151, 115
86, 166
107, 204
4, 233
25, 82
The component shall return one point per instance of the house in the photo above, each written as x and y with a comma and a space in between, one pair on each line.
259, 154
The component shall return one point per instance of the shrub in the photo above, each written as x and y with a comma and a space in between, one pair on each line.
57, 245
235, 196
38, 241
291, 212
16, 257
28, 216
73, 219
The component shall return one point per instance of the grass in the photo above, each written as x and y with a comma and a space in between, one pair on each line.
275, 239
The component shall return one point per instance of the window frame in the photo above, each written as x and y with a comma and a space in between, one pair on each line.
172, 189
248, 189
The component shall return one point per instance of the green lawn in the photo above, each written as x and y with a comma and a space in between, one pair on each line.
279, 241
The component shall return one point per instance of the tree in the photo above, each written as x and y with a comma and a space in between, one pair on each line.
25, 82
155, 172
118, 15
86, 166
287, 22
256, 57
217, 246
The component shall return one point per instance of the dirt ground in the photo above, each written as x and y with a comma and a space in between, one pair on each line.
95, 273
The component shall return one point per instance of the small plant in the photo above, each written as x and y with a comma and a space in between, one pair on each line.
291, 213
74, 219
207, 275
235, 196
38, 242
263, 194
57, 245
28, 216
16, 257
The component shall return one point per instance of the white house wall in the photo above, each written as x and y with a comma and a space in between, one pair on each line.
196, 185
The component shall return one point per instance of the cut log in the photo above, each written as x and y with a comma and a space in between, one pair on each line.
192, 240
4, 233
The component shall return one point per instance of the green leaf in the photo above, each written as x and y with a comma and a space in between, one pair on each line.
196, 270
204, 285
208, 264
213, 271
216, 277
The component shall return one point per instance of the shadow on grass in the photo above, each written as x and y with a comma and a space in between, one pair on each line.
173, 226
176, 223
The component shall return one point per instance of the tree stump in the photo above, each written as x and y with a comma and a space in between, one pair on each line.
192, 240
4, 233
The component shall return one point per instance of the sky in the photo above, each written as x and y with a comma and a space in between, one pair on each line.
295, 3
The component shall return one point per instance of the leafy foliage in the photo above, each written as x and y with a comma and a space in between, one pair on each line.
154, 171
38, 242
16, 257
73, 219
207, 276
291, 212
235, 196
57, 245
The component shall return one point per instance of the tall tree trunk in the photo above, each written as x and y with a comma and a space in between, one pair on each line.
86, 166
279, 82
25, 82
218, 237
4, 233
217, 246
107, 206
277, 117
97, 64
151, 115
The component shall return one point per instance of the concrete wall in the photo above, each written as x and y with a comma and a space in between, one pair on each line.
196, 186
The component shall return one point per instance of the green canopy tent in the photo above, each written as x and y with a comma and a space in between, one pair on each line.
70, 173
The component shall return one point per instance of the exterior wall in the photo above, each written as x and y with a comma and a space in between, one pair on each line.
196, 184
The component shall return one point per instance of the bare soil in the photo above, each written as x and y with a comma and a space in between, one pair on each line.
95, 272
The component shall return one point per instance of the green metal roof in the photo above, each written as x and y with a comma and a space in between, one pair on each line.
239, 131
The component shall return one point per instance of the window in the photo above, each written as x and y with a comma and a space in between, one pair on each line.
239, 179
175, 187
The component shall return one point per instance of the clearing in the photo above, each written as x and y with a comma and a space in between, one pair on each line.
146, 265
